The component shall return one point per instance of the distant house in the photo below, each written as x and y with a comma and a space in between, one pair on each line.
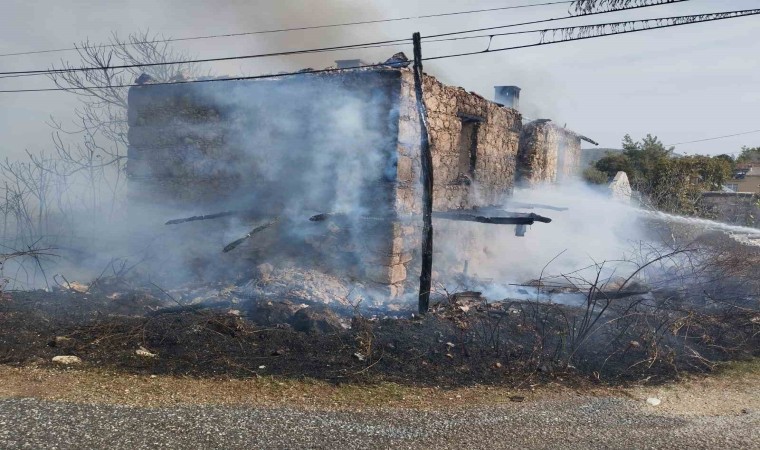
746, 178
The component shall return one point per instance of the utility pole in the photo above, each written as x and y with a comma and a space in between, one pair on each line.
426, 177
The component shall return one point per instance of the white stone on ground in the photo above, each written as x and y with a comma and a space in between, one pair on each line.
66, 359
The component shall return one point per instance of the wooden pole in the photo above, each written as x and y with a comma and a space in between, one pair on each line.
426, 177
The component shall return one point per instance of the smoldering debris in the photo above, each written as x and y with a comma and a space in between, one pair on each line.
234, 244
299, 192
466, 338
683, 311
586, 314
205, 217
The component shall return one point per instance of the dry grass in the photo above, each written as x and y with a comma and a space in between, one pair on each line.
99, 386
734, 387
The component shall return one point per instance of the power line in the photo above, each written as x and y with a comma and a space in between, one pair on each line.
208, 80
554, 19
394, 43
283, 30
697, 19
205, 60
723, 16
37, 72
586, 27
714, 138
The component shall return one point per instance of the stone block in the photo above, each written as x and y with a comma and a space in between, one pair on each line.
386, 274
404, 170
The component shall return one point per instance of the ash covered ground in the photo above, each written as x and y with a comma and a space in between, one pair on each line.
300, 323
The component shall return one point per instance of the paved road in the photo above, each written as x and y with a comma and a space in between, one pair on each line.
584, 422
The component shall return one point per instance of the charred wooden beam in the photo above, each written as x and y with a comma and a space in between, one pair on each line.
209, 216
590, 141
232, 245
468, 215
321, 217
512, 219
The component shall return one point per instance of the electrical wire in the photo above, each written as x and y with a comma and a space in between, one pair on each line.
205, 80
744, 13
554, 19
337, 48
283, 30
397, 43
714, 138
205, 60
632, 22
37, 72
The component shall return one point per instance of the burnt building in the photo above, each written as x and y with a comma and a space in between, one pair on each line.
548, 153
341, 148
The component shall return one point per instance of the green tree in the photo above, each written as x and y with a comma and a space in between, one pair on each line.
728, 159
645, 156
677, 184
612, 163
639, 161
712, 171
670, 183
595, 176
749, 155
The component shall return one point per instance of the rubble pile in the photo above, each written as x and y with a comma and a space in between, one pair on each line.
304, 285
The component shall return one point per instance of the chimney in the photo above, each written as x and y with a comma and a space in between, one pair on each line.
508, 96
348, 63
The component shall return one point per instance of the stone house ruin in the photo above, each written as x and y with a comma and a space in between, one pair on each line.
548, 153
333, 160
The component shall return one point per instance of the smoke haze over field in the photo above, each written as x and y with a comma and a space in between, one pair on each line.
671, 83
652, 82
594, 229
371, 224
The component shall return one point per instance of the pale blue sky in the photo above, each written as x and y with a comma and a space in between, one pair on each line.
682, 84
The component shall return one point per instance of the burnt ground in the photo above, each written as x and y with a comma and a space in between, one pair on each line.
463, 341
209, 341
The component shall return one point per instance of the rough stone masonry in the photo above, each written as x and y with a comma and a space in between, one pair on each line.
343, 142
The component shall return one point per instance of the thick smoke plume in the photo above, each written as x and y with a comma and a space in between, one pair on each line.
593, 229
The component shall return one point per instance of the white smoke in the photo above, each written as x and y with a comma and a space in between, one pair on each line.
594, 230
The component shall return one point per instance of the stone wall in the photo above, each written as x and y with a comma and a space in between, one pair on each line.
738, 208
407, 232
547, 154
474, 145
569, 165
203, 143
470, 169
288, 147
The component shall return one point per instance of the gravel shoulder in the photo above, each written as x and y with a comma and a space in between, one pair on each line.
44, 408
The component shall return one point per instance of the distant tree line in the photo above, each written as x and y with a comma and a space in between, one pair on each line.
748, 155
667, 181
